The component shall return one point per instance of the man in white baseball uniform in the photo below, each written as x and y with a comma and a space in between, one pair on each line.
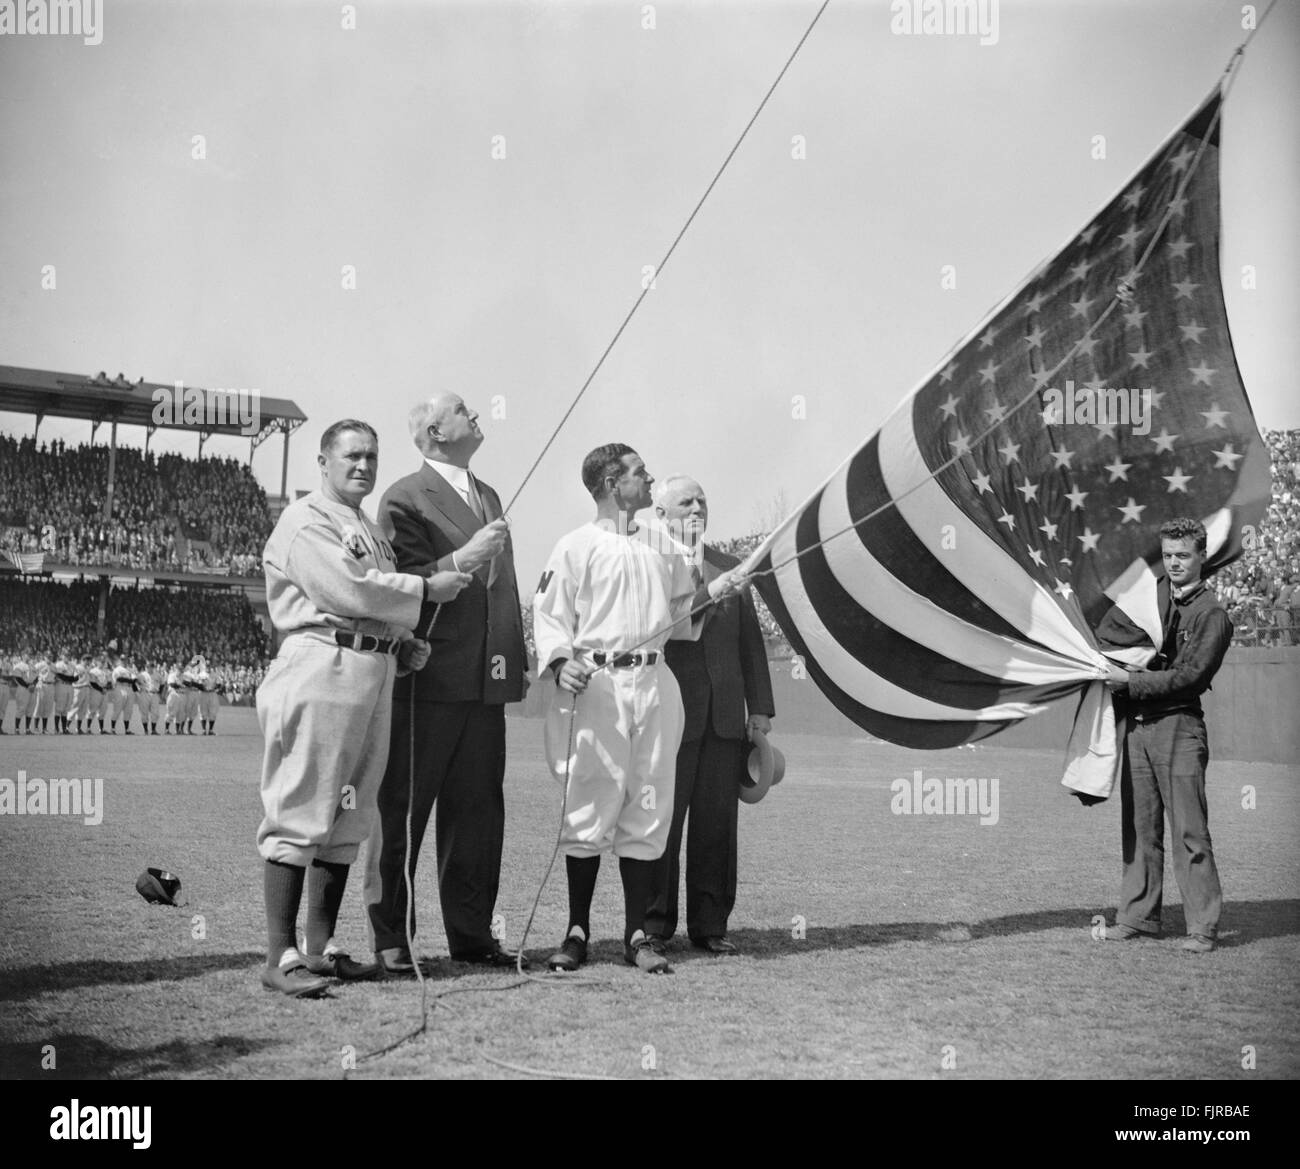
65, 673
79, 710
42, 703
345, 618
123, 694
150, 682
209, 698
100, 685
609, 600
175, 706
7, 689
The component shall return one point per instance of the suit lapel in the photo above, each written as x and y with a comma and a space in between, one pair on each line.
446, 499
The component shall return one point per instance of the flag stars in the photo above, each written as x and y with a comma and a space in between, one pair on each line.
1177, 481
1104, 429
1085, 236
1007, 518
1134, 317
1080, 270
1010, 451
1036, 556
1179, 247
1192, 332
1035, 339
1048, 529
945, 374
1164, 440
1064, 589
1118, 470
1132, 511
1141, 357
987, 339
1086, 345
986, 373
1214, 417
1154, 397
1035, 302
1181, 159
1131, 237
949, 408
1201, 374
1089, 540
960, 445
996, 413
981, 482
1134, 197
1227, 458
1063, 459
1076, 497
1184, 288
1079, 308
1029, 490
1178, 206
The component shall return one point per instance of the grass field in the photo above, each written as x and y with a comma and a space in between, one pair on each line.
932, 947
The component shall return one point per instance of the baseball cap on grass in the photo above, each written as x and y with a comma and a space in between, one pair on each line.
158, 886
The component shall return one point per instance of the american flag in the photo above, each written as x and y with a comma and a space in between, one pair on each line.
1014, 495
28, 562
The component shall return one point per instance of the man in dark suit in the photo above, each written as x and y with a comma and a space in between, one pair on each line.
722, 676
442, 517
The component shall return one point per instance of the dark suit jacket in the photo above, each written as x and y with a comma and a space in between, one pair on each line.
478, 640
726, 670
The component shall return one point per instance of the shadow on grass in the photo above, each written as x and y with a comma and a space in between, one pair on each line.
84, 1057
1243, 922
26, 981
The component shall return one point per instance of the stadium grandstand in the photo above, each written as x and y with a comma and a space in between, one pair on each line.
121, 552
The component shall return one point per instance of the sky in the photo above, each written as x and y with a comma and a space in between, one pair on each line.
499, 175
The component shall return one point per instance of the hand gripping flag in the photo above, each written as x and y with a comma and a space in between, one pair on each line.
945, 581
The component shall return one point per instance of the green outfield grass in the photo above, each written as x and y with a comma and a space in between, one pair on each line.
874, 944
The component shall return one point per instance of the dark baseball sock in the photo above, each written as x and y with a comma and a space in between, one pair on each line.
636, 893
282, 885
582, 872
325, 885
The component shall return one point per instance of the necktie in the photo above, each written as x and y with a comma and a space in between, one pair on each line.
475, 502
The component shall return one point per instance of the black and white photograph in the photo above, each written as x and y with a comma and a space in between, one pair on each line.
700, 540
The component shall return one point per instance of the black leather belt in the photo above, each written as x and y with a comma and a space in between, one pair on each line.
624, 661
366, 643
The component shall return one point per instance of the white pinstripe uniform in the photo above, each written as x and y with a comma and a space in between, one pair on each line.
42, 702
604, 593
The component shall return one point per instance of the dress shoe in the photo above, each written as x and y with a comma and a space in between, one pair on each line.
396, 962
640, 952
496, 955
718, 945
571, 954
1123, 933
294, 980
342, 966
1198, 944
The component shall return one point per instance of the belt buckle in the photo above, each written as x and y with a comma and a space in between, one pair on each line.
365, 638
623, 661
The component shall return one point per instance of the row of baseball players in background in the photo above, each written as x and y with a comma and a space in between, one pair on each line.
99, 693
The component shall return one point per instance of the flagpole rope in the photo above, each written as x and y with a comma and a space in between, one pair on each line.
645, 291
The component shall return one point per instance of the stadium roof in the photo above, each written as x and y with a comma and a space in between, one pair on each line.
153, 405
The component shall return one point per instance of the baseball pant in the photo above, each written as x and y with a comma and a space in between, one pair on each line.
1164, 772
80, 707
42, 702
124, 704
176, 706
7, 691
209, 701
460, 764
626, 732
325, 712
95, 701
148, 703
708, 769
62, 697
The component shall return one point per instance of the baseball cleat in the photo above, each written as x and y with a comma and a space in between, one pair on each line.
1198, 944
295, 980
341, 966
571, 954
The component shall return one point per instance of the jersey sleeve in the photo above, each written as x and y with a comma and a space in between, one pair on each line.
555, 614
338, 584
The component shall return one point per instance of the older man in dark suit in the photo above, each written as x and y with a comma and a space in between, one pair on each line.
442, 517
727, 693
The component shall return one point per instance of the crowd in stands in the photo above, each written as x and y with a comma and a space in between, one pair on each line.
151, 627
168, 512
